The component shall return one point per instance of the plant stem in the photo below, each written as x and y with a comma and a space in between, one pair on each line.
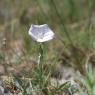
40, 64
40, 57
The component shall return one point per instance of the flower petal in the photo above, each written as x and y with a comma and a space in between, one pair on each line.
41, 33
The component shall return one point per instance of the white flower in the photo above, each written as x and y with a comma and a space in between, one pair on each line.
41, 33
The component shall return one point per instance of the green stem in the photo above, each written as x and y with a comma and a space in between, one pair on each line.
40, 57
40, 64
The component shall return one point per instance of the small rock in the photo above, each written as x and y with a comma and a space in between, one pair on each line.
1, 90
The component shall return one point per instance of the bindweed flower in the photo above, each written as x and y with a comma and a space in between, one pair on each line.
41, 33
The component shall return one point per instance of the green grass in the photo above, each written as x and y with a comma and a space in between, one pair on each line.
74, 31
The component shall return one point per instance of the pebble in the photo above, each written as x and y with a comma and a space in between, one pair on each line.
3, 89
